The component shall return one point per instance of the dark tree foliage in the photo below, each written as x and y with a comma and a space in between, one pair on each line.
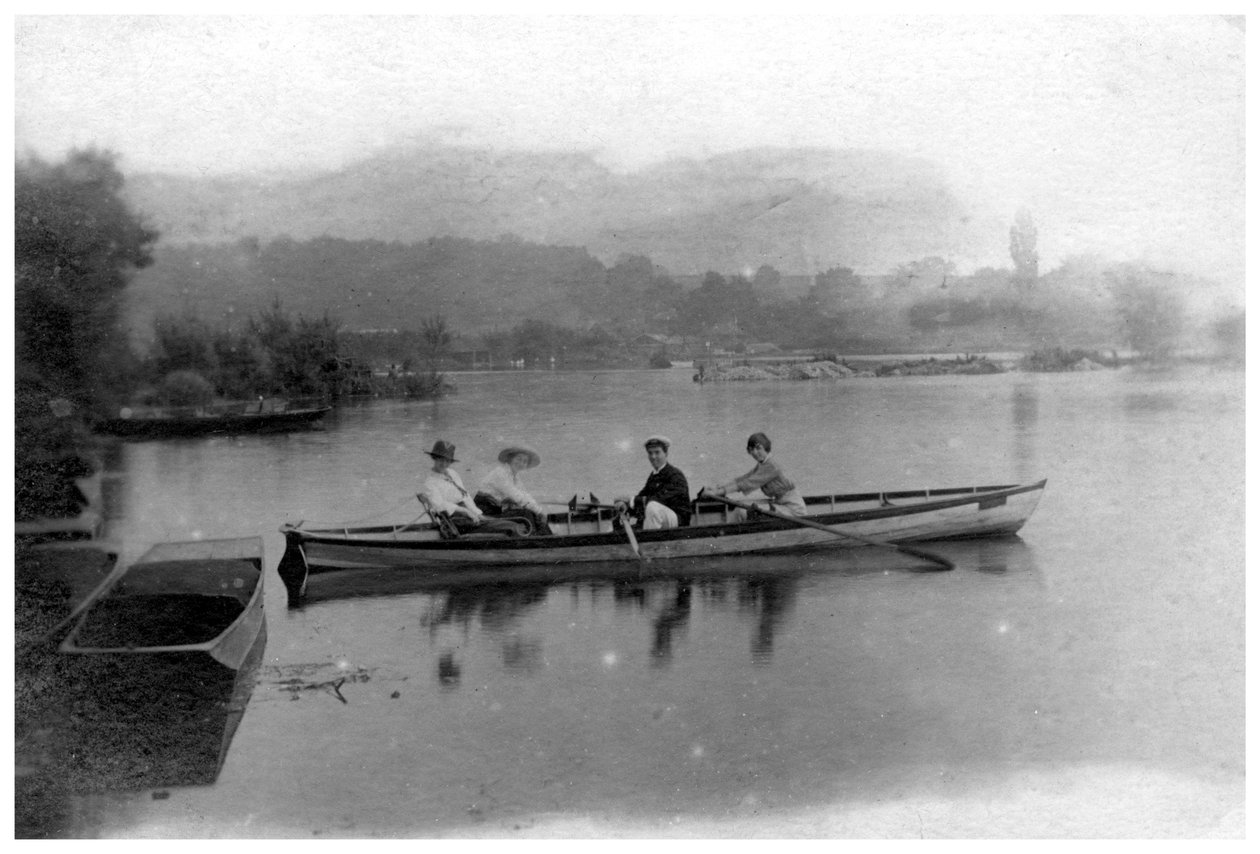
435, 336
304, 353
833, 287
767, 278
184, 343
718, 304
76, 245
537, 341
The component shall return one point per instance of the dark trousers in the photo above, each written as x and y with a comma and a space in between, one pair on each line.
489, 506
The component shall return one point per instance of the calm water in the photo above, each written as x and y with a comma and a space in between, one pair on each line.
1085, 679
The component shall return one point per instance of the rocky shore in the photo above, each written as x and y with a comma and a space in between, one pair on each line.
1055, 361
828, 370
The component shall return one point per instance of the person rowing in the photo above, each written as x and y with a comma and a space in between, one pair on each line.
765, 476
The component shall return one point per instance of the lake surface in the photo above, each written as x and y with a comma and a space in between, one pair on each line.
1085, 679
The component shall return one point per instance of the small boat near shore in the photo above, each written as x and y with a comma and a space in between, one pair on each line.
190, 604
259, 416
153, 679
593, 535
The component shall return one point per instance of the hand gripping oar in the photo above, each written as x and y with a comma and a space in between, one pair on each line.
809, 523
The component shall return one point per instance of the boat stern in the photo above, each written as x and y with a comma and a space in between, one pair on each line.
293, 568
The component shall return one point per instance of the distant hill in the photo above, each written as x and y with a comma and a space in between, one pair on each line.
800, 210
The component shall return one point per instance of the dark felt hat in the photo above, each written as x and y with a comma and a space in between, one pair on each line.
443, 450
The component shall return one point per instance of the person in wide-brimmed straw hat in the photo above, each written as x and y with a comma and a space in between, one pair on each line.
531, 456
502, 493
444, 490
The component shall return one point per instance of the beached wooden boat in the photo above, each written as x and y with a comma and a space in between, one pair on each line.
190, 603
159, 667
593, 535
263, 416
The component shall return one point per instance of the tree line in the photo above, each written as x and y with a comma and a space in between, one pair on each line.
491, 290
216, 326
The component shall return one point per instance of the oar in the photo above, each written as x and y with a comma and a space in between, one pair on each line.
634, 541
809, 523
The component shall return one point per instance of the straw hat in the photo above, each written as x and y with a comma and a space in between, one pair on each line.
657, 440
512, 450
443, 450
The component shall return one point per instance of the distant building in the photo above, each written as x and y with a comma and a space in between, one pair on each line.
648, 342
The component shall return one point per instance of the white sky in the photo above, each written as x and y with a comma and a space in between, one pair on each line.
1124, 136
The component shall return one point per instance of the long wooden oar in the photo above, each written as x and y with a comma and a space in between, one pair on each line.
629, 529
809, 523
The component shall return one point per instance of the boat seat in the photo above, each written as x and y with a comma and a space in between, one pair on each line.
708, 513
449, 530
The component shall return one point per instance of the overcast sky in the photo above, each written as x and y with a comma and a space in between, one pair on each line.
1123, 136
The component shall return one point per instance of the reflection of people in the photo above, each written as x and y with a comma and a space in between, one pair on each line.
767, 477
502, 493
444, 490
664, 501
669, 620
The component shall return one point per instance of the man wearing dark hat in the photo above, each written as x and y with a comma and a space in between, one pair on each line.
444, 490
665, 500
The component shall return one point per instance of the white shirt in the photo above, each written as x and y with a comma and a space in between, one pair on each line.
446, 493
503, 485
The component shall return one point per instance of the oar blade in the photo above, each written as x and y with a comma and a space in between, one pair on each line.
931, 557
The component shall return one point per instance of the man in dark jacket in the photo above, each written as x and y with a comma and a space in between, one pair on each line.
665, 500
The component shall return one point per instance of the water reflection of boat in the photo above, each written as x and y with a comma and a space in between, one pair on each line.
622, 576
262, 416
593, 536
667, 606
163, 723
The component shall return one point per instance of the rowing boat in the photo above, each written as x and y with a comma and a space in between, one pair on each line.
197, 602
225, 418
593, 534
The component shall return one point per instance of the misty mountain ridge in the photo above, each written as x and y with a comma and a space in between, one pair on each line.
800, 210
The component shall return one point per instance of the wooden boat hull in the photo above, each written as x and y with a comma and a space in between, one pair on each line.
266, 422
896, 517
188, 602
